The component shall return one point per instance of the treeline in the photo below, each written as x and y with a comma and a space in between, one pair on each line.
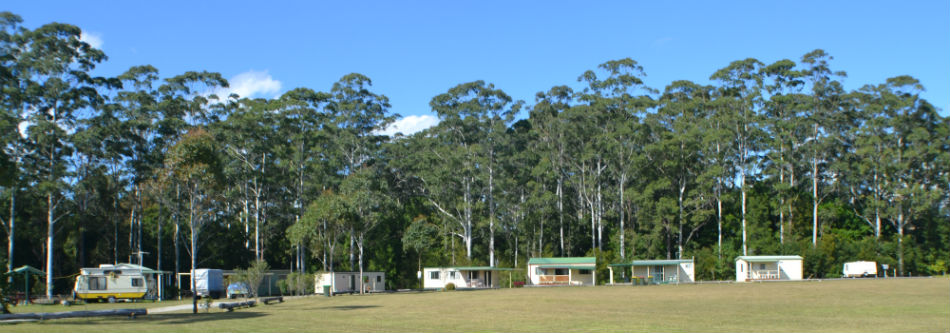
771, 159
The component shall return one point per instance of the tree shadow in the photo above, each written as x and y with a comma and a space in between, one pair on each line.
349, 307
161, 319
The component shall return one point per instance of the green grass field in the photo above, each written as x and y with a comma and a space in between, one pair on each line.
879, 305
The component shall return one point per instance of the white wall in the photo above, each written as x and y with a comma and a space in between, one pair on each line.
687, 272
742, 270
445, 277
342, 280
790, 269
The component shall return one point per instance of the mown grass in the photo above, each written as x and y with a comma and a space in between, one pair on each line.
879, 305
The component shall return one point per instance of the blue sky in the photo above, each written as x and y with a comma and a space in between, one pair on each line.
414, 50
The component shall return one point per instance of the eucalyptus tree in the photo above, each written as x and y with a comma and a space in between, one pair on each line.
182, 105
674, 151
824, 114
57, 85
304, 155
137, 109
357, 115
783, 107
911, 150
472, 117
615, 96
365, 194
740, 94
420, 236
12, 111
194, 164
866, 178
515, 174
248, 136
548, 120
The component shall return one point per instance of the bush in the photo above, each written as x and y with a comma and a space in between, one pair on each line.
517, 284
449, 286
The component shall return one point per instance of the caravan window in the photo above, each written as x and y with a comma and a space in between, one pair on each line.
97, 283
434, 275
137, 282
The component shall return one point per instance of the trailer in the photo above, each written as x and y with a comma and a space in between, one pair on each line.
209, 282
859, 269
116, 282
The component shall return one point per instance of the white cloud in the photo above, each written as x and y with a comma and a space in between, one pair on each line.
410, 125
94, 39
251, 84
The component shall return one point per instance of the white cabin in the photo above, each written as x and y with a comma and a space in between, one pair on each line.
659, 271
463, 277
115, 282
571, 271
768, 268
348, 282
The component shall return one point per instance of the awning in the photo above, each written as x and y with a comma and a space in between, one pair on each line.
27, 269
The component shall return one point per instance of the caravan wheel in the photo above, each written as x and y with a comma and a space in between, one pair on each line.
111, 299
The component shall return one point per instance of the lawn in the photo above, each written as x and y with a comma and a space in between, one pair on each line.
878, 305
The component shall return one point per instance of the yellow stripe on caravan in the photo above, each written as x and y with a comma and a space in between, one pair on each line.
107, 295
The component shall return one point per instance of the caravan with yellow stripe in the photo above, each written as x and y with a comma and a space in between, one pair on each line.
116, 282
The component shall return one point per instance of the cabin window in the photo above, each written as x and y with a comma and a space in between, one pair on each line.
97, 283
434, 275
584, 272
137, 282
379, 279
561, 271
761, 266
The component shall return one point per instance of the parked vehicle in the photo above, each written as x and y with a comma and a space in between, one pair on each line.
115, 282
238, 289
209, 282
860, 269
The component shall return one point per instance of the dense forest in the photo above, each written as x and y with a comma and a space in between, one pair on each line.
158, 170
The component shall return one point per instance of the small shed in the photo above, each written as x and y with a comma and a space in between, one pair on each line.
470, 277
569, 271
659, 271
768, 268
348, 282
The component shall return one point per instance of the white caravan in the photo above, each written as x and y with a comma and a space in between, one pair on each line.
114, 282
860, 269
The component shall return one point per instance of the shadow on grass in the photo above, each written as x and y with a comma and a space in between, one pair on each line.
349, 307
162, 319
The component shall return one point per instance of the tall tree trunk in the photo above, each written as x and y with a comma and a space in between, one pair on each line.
679, 240
50, 222
900, 241
745, 249
10, 232
491, 214
560, 209
623, 240
814, 191
362, 287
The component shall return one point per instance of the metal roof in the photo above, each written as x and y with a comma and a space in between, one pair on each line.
563, 261
767, 258
569, 266
27, 269
662, 262
142, 269
474, 268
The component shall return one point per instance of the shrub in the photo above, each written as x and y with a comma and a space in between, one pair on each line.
449, 286
517, 284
